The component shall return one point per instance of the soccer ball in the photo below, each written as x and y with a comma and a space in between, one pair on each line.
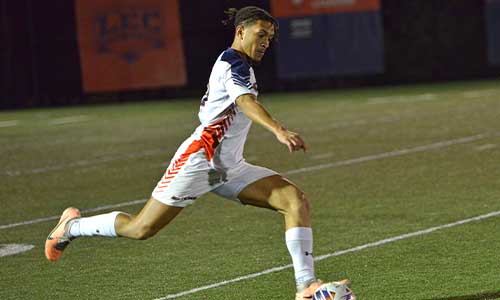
334, 291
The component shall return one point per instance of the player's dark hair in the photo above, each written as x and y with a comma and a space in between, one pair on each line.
248, 15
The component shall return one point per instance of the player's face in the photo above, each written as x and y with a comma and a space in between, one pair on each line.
257, 38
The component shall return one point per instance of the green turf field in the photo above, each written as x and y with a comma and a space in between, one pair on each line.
381, 163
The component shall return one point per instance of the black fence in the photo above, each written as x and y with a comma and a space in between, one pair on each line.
424, 41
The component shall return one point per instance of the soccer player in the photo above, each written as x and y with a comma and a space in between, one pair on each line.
211, 160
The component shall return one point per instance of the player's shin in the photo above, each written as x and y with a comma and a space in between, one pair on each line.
100, 225
299, 242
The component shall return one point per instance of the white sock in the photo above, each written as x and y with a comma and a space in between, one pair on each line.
100, 225
299, 242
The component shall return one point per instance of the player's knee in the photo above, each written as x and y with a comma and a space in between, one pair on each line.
144, 232
293, 200
302, 203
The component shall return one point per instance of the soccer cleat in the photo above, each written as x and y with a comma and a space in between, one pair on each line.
59, 238
309, 291
327, 291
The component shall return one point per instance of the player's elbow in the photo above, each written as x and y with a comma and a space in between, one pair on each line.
245, 100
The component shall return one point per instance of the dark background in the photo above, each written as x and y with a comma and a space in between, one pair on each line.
424, 41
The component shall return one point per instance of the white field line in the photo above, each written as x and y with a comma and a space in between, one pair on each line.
486, 147
417, 149
101, 160
430, 97
381, 120
85, 163
358, 160
391, 99
11, 249
96, 161
335, 254
95, 209
10, 123
68, 120
480, 93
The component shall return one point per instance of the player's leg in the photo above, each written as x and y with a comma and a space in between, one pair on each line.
280, 194
186, 178
152, 217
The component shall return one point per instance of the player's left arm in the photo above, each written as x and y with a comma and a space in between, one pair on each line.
256, 112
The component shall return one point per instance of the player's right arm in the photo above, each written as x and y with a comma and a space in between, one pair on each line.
256, 112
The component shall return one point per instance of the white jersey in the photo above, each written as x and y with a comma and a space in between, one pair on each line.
211, 159
223, 127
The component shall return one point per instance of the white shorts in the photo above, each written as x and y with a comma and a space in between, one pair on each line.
187, 178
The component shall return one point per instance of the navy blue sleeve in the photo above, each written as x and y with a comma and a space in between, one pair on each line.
240, 70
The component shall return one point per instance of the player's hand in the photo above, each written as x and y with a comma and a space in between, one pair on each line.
291, 139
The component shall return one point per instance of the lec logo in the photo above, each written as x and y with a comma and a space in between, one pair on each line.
129, 33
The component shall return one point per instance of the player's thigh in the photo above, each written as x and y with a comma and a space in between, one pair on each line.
274, 192
156, 214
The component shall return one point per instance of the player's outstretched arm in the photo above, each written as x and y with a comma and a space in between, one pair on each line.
256, 112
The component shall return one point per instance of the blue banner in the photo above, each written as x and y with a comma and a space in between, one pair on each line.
493, 31
355, 43
346, 43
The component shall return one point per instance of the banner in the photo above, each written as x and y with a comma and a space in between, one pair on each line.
302, 8
320, 38
130, 44
493, 30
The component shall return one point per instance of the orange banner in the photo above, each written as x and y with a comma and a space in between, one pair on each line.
302, 8
130, 44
